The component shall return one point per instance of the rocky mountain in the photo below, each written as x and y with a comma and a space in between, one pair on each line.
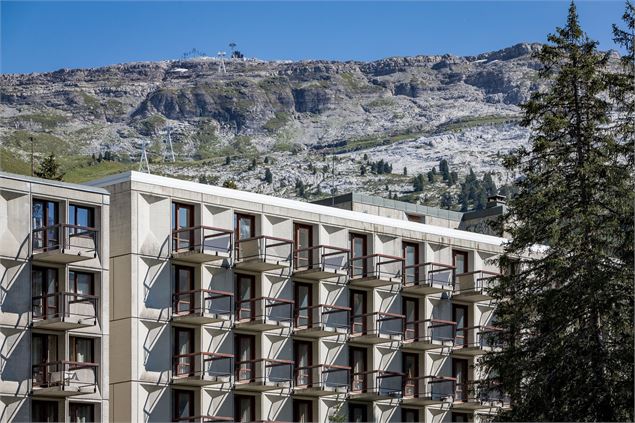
290, 117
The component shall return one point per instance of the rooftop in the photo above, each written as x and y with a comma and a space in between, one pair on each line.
49, 182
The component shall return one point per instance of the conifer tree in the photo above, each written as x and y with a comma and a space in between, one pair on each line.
268, 176
567, 318
49, 169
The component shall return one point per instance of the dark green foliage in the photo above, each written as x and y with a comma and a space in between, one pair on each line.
454, 178
418, 183
430, 176
299, 188
444, 168
266, 161
489, 185
381, 167
268, 176
230, 184
362, 170
446, 201
228, 160
49, 168
253, 164
405, 171
568, 315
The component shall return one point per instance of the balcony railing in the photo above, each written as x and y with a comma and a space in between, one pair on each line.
63, 237
480, 337
66, 375
323, 376
379, 324
265, 309
203, 302
429, 388
64, 305
377, 268
264, 371
475, 285
323, 316
205, 240
203, 419
381, 383
265, 248
203, 365
323, 260
432, 331
429, 277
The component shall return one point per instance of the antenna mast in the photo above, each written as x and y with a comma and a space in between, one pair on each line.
221, 63
144, 158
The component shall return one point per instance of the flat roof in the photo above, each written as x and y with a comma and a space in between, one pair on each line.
391, 204
132, 176
60, 184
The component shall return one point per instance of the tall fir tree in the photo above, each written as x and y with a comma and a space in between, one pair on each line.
49, 168
566, 309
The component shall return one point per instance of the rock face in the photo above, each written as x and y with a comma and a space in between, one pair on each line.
263, 107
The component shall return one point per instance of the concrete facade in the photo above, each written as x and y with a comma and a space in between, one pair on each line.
54, 317
233, 306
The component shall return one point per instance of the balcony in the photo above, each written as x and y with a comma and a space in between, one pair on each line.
64, 379
64, 243
376, 270
322, 380
428, 278
479, 395
376, 385
202, 306
204, 419
320, 262
476, 340
377, 328
202, 369
428, 390
201, 244
64, 310
475, 286
429, 334
264, 313
322, 320
263, 374
263, 253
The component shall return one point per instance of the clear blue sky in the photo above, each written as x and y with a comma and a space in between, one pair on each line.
45, 36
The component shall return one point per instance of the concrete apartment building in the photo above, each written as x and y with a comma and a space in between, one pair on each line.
53, 301
233, 306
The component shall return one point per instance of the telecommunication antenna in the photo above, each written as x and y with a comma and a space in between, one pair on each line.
144, 158
169, 142
221, 62
232, 46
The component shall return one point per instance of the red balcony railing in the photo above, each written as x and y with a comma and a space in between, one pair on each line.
322, 376
268, 308
477, 282
64, 236
433, 388
429, 274
381, 323
65, 374
201, 301
324, 258
204, 239
64, 305
202, 364
377, 266
481, 336
429, 330
322, 316
264, 370
264, 247
380, 382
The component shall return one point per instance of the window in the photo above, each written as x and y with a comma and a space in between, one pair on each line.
44, 411
460, 316
303, 238
357, 357
246, 353
45, 215
411, 311
302, 411
245, 226
43, 352
411, 260
183, 405
459, 372
460, 417
81, 282
245, 287
45, 286
244, 408
183, 349
459, 261
182, 220
302, 350
409, 415
410, 364
303, 302
82, 218
358, 310
359, 250
81, 349
81, 413
357, 413
183, 289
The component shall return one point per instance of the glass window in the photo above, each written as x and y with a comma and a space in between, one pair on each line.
81, 413
81, 216
44, 411
81, 282
183, 404
81, 349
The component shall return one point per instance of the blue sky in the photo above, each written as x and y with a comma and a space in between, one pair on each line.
45, 36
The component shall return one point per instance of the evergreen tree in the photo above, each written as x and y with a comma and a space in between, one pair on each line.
228, 160
405, 171
446, 201
268, 176
49, 168
365, 157
362, 170
431, 177
418, 183
266, 159
489, 184
230, 184
567, 318
299, 188
444, 168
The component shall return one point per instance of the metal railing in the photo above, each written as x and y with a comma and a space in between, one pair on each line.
201, 301
203, 419
63, 305
481, 336
204, 239
324, 258
202, 364
429, 274
65, 374
381, 323
265, 370
433, 388
322, 376
64, 236
380, 382
322, 316
264, 247
267, 308
477, 282
430, 330
377, 266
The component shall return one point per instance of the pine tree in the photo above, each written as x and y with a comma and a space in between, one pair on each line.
49, 168
567, 318
268, 176
405, 171
444, 168
431, 177
228, 160
362, 170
